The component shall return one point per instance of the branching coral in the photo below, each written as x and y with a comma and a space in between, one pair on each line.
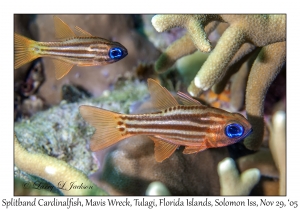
191, 41
234, 184
277, 146
264, 70
54, 170
157, 188
238, 42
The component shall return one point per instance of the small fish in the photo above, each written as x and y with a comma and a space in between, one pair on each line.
83, 50
193, 125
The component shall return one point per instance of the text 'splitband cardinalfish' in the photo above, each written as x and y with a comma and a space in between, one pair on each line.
83, 50
193, 125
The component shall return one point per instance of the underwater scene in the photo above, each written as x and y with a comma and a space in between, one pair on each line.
141, 104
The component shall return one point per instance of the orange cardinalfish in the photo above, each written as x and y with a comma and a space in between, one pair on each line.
193, 125
83, 50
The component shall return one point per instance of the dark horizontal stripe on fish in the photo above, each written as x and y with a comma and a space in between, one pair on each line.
183, 140
85, 54
184, 108
172, 136
77, 41
165, 132
166, 121
67, 47
206, 128
176, 116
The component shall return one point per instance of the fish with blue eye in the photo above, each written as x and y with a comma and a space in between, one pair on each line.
82, 50
190, 124
234, 130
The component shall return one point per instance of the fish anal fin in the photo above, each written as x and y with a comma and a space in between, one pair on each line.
61, 68
83, 32
162, 149
187, 100
194, 149
160, 96
86, 64
108, 131
62, 30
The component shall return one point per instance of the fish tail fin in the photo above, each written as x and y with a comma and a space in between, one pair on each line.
24, 50
110, 128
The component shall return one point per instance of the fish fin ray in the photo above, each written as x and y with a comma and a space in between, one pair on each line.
85, 64
194, 149
160, 96
62, 30
162, 149
187, 100
23, 50
83, 32
61, 68
107, 132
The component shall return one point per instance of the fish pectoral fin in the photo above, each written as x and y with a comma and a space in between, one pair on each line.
61, 68
106, 123
160, 96
188, 100
62, 30
193, 149
83, 32
162, 149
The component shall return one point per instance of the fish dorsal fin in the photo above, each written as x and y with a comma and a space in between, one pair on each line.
83, 32
61, 68
160, 96
162, 149
62, 30
187, 100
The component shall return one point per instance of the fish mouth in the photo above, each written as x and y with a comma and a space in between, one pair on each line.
247, 134
125, 52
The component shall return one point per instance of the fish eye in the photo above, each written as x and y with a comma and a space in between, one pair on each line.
115, 53
234, 130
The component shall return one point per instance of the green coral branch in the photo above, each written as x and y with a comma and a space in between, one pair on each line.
244, 53
277, 146
54, 171
266, 67
176, 50
220, 58
193, 23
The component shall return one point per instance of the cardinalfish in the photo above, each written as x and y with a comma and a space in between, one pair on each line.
193, 125
83, 50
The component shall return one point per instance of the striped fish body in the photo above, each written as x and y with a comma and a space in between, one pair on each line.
83, 50
193, 125
183, 125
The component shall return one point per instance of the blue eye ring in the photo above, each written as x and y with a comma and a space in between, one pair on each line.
234, 130
115, 53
